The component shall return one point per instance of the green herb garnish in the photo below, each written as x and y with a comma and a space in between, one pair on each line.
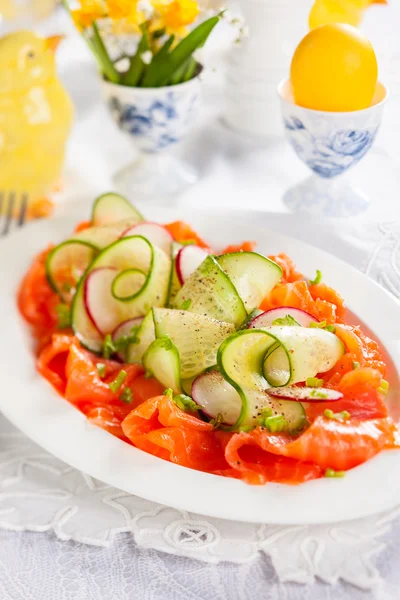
287, 320
384, 389
355, 365
118, 381
186, 304
342, 416
331, 328
64, 316
317, 394
314, 382
331, 473
126, 396
276, 423
101, 369
318, 278
185, 403
320, 325
108, 347
169, 393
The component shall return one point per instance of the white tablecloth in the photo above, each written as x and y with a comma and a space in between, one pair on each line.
235, 174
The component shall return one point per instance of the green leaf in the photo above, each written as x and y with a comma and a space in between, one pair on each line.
191, 69
178, 78
137, 67
105, 62
183, 51
158, 64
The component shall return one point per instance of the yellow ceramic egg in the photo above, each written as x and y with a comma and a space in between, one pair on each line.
36, 115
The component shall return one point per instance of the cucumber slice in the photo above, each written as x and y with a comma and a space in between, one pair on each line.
216, 396
111, 207
162, 360
124, 330
174, 283
240, 359
197, 337
252, 274
98, 299
302, 353
145, 336
104, 235
210, 292
66, 264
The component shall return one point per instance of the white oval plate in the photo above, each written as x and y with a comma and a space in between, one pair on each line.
33, 406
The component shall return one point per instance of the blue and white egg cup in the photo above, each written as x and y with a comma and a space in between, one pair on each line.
329, 143
155, 119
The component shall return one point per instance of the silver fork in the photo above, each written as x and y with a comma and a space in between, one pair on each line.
12, 211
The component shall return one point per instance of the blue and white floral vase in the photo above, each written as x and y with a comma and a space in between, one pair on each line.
329, 143
156, 119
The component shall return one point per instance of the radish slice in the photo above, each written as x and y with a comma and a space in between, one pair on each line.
216, 396
305, 394
105, 312
187, 261
155, 233
125, 329
267, 318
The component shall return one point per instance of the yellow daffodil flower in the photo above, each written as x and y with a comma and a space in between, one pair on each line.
89, 11
176, 15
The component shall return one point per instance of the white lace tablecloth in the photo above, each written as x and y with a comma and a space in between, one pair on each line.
91, 542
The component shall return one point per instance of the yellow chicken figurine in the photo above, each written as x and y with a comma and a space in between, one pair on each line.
36, 116
339, 11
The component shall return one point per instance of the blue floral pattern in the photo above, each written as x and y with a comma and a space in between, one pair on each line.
329, 155
157, 123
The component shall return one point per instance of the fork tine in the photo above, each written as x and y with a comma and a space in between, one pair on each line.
9, 214
22, 213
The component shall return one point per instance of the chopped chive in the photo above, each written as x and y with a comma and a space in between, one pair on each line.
169, 393
331, 328
342, 416
331, 473
320, 325
126, 396
186, 304
314, 382
276, 423
287, 320
185, 403
64, 316
384, 389
355, 365
318, 278
108, 347
101, 369
317, 394
118, 381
